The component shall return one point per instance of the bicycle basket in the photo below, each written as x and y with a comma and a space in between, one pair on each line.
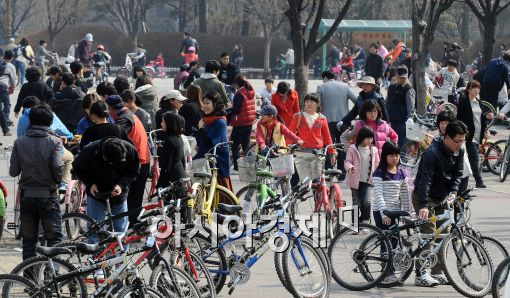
415, 132
282, 166
193, 144
308, 166
247, 167
200, 165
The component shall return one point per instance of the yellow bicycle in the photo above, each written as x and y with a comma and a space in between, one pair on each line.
207, 193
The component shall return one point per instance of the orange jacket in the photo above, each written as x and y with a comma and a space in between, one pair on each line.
287, 109
188, 57
395, 52
316, 137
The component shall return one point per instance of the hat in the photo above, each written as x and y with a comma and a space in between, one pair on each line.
191, 49
89, 37
115, 101
175, 94
100, 47
269, 110
367, 80
402, 71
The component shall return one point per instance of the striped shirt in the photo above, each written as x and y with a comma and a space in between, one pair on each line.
390, 191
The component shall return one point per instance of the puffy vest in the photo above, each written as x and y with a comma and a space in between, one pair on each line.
138, 136
396, 102
278, 138
247, 115
381, 134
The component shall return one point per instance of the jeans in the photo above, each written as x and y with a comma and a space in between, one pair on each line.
288, 71
5, 107
136, 192
240, 136
361, 198
400, 129
97, 210
472, 151
358, 63
47, 212
21, 69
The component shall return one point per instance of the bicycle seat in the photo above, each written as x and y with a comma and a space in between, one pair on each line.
493, 132
53, 251
396, 213
202, 175
229, 208
438, 96
333, 172
408, 220
86, 248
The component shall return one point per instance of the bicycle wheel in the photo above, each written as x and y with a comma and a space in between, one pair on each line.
176, 284
249, 198
147, 292
279, 268
333, 214
37, 270
410, 153
304, 269
203, 279
503, 171
17, 216
467, 265
76, 225
215, 261
496, 250
74, 198
356, 265
150, 73
488, 108
14, 286
123, 71
500, 282
446, 107
494, 156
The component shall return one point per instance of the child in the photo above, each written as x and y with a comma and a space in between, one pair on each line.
85, 122
190, 55
271, 131
362, 159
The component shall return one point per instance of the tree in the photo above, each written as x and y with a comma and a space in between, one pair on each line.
15, 13
425, 16
305, 18
202, 16
487, 11
60, 13
181, 8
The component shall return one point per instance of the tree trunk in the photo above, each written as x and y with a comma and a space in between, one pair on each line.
10, 19
202, 16
245, 28
182, 15
418, 65
267, 53
488, 39
466, 13
52, 37
134, 41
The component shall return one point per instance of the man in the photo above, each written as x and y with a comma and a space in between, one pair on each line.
374, 66
140, 57
228, 70
84, 50
334, 56
11, 46
450, 77
397, 55
368, 92
42, 55
455, 53
108, 165
334, 97
496, 74
77, 71
105, 89
438, 178
188, 42
67, 103
7, 84
400, 104
129, 99
137, 134
195, 71
360, 56
289, 63
37, 156
209, 81
72, 51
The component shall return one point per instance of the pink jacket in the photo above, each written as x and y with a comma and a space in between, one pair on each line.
353, 159
382, 131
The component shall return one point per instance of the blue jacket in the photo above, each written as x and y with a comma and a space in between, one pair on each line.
215, 133
57, 125
496, 73
85, 123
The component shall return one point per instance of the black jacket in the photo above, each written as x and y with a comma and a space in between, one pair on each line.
192, 115
228, 73
439, 173
38, 89
374, 66
362, 97
90, 168
465, 114
171, 161
195, 74
68, 106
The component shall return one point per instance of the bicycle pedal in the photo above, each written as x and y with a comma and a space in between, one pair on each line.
11, 226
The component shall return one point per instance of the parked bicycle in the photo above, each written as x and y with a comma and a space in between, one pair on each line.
127, 70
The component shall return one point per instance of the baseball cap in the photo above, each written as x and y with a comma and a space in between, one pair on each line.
175, 94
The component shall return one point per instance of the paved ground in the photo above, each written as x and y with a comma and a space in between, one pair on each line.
490, 214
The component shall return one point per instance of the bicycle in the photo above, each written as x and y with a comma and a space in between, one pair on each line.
101, 75
207, 192
154, 144
500, 282
439, 101
491, 153
127, 70
504, 169
5, 155
419, 139
372, 255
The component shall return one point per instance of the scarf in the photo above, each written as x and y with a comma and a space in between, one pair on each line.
268, 138
211, 118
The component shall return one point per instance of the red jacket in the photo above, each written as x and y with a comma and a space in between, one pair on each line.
247, 115
189, 57
286, 110
274, 133
316, 137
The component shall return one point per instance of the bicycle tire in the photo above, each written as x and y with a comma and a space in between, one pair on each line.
333, 213
17, 215
500, 277
6, 281
446, 106
411, 153
123, 71
278, 266
494, 156
465, 283
498, 257
75, 198
76, 225
131, 291
361, 267
149, 72
75, 283
488, 108
214, 259
207, 289
250, 192
167, 288
298, 291
503, 171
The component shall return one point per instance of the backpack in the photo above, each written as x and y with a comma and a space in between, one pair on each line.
3, 66
18, 51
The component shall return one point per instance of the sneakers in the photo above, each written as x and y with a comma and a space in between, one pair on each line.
391, 278
425, 280
441, 278
480, 184
7, 134
62, 187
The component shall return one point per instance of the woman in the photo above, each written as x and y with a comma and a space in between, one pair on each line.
242, 116
101, 128
148, 94
370, 115
34, 87
25, 57
190, 110
471, 113
214, 123
286, 102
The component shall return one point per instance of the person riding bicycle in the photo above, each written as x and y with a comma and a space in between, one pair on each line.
158, 63
140, 57
101, 59
84, 51
272, 131
449, 79
42, 55
438, 177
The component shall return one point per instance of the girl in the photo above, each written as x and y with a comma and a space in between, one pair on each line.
214, 123
85, 122
101, 128
190, 110
271, 131
360, 163
171, 161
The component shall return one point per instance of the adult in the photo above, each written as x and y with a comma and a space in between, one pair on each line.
54, 80
101, 127
33, 87
195, 71
400, 104
209, 81
129, 99
190, 111
397, 55
374, 66
438, 177
188, 42
86, 122
77, 71
24, 57
128, 121
289, 63
37, 157
181, 77
475, 117
190, 56
7, 84
359, 57
334, 56
242, 116
140, 57
228, 71
121, 83
72, 52
455, 53
67, 103
238, 55
84, 51
145, 89
11, 45
496, 74
105, 89
107, 165
286, 101
170, 102
449, 78
368, 92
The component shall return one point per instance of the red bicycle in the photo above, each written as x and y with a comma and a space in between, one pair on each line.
154, 143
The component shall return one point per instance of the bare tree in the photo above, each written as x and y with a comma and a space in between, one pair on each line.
15, 13
487, 11
202, 16
181, 8
425, 17
305, 18
60, 13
